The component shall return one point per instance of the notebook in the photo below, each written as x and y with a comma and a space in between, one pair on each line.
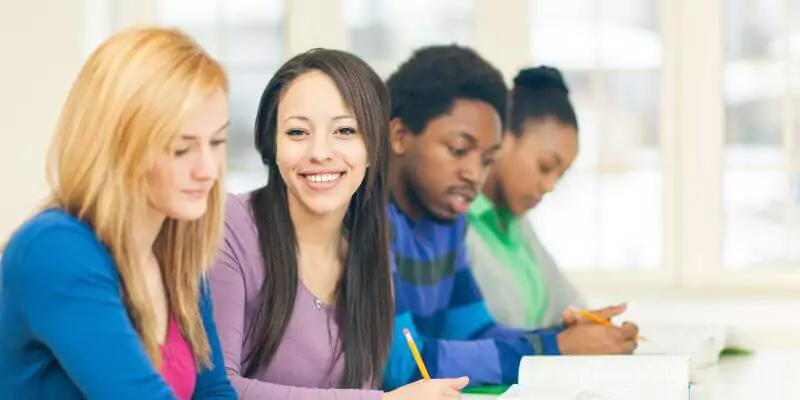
652, 377
702, 343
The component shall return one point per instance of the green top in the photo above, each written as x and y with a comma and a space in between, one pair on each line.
502, 233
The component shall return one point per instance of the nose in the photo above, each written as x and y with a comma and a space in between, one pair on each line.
207, 166
320, 149
549, 183
473, 169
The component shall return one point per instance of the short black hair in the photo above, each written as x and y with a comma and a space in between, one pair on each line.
539, 93
427, 84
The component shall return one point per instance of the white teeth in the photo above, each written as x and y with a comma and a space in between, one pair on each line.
323, 177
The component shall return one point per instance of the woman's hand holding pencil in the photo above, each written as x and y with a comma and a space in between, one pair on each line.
427, 388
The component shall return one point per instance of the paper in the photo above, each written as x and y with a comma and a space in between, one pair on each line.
702, 343
652, 377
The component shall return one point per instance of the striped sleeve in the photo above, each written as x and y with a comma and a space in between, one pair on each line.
471, 343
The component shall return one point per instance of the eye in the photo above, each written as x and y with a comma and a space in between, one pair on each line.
346, 131
218, 142
457, 152
181, 152
546, 169
488, 161
295, 132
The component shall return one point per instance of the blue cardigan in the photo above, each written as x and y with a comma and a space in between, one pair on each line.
65, 331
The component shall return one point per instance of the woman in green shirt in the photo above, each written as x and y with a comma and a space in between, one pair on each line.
519, 279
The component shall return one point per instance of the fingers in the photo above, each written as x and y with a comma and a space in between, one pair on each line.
611, 311
458, 383
628, 334
630, 331
629, 346
569, 317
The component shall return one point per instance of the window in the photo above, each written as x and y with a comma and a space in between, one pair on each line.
689, 116
385, 32
247, 37
762, 105
610, 204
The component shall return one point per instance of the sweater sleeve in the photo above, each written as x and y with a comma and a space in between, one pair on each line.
470, 343
563, 294
228, 295
212, 383
72, 303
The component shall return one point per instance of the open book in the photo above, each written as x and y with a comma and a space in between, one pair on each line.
704, 344
652, 377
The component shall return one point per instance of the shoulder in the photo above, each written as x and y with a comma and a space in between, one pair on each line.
237, 209
240, 225
240, 250
58, 246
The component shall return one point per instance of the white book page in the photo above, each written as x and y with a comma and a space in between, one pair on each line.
601, 371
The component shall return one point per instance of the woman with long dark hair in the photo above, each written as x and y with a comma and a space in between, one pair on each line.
302, 290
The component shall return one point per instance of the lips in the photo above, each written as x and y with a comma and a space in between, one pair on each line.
532, 201
322, 179
459, 200
197, 193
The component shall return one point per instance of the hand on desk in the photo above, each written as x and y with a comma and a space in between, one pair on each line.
570, 318
584, 337
433, 389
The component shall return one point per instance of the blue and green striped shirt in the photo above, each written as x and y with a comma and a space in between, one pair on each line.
438, 300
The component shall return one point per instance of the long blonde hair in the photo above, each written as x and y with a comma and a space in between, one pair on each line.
129, 101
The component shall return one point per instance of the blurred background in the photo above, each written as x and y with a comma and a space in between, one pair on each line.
685, 197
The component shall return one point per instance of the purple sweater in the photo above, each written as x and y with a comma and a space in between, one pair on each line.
300, 367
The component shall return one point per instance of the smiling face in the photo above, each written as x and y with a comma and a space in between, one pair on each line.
531, 164
180, 181
445, 164
320, 152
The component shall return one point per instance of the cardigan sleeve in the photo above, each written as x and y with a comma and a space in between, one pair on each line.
70, 298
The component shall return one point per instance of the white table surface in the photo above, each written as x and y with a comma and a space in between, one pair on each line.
767, 374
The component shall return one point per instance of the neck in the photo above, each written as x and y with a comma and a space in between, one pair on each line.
401, 193
146, 231
318, 236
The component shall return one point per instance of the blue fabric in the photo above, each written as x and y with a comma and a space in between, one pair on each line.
438, 300
65, 331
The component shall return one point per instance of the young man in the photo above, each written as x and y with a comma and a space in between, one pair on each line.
447, 118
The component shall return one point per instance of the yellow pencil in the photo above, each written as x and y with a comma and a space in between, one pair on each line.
596, 318
415, 353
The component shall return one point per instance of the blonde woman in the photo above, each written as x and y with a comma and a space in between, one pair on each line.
103, 294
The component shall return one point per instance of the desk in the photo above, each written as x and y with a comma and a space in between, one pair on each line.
768, 375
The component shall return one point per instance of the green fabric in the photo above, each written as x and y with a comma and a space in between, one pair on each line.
498, 390
735, 351
502, 233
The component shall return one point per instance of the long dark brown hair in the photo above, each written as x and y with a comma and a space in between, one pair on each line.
363, 302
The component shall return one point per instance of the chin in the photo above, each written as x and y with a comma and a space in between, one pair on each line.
442, 217
322, 208
189, 212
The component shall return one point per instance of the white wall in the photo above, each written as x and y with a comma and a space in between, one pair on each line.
41, 49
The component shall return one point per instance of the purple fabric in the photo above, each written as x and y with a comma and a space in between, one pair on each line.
302, 366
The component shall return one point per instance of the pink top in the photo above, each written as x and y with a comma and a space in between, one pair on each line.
178, 367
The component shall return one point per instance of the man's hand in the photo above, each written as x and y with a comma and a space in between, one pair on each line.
570, 318
592, 338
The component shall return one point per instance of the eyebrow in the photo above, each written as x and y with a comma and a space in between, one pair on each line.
220, 129
474, 142
557, 156
306, 119
468, 137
